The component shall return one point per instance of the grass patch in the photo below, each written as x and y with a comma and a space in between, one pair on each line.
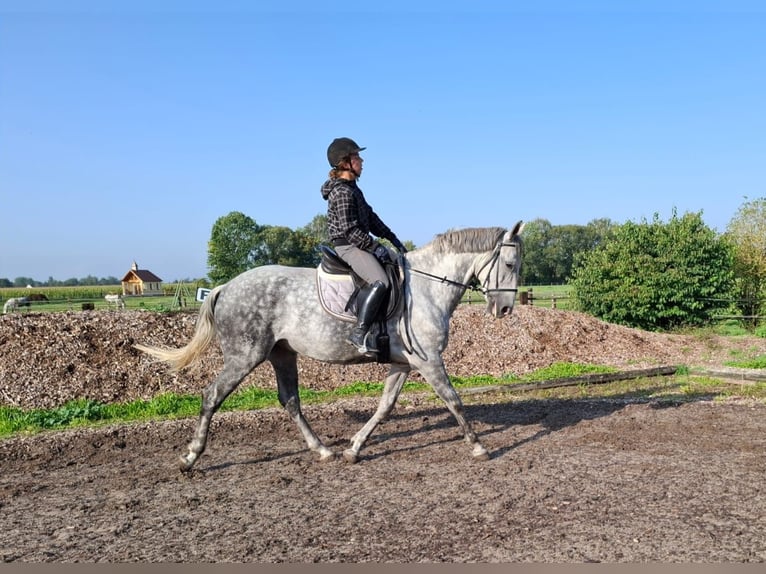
678, 388
565, 371
752, 363
671, 390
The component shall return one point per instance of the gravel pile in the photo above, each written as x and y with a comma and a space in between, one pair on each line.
47, 359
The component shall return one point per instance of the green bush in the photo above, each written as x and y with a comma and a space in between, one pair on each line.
656, 276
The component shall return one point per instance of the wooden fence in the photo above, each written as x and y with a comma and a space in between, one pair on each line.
528, 297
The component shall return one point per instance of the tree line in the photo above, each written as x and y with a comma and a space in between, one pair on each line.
51, 282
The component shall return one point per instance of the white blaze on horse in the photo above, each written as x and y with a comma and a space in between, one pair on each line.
115, 300
15, 303
273, 313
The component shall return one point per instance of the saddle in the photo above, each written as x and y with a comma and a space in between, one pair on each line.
338, 286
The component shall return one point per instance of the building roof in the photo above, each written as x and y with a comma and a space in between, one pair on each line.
143, 274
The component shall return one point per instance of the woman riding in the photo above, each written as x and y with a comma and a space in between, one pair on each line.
350, 223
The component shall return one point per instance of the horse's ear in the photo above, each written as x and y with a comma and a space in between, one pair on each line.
517, 229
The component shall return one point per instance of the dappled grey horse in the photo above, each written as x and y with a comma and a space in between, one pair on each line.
273, 313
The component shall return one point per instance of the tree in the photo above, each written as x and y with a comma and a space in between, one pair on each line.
307, 249
746, 233
316, 229
237, 243
230, 250
277, 245
569, 241
536, 268
550, 250
656, 275
24, 281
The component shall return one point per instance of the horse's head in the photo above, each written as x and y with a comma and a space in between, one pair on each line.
499, 276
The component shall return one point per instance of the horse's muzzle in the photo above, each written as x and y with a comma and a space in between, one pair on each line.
499, 311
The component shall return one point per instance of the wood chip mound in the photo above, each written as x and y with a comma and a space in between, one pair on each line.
47, 359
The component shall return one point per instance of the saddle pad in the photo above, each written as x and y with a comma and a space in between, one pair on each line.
334, 293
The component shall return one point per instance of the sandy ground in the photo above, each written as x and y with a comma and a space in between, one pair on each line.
567, 481
578, 480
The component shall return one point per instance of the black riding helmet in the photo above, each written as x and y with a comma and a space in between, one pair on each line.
340, 149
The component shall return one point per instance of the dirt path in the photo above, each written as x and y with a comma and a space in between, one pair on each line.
568, 481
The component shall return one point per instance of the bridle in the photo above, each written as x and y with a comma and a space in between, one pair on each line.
484, 288
494, 258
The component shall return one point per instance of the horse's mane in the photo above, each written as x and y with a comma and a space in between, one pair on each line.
470, 240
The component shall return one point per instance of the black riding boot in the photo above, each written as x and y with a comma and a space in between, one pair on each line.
370, 299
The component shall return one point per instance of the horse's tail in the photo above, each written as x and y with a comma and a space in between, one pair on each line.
203, 335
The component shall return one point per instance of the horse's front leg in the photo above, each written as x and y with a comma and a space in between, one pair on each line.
285, 363
391, 389
436, 375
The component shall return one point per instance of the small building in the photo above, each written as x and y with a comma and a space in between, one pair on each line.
141, 282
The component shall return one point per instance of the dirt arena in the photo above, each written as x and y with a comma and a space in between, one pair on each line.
578, 480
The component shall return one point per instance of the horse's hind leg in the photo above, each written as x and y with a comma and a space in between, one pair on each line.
212, 397
391, 389
285, 363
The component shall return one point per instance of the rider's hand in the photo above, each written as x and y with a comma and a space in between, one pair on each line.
382, 254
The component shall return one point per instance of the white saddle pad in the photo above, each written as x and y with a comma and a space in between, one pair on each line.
334, 293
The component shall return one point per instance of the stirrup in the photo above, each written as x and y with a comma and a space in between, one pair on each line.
363, 349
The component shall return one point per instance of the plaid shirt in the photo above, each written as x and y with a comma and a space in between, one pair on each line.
350, 217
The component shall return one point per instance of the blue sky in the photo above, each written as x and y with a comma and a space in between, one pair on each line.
128, 129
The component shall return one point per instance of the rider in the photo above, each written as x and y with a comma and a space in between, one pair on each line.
350, 223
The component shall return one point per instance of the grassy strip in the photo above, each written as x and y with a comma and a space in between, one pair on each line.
754, 363
84, 412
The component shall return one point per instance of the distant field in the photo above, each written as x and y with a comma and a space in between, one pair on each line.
72, 298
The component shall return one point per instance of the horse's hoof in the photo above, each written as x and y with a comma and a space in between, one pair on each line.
350, 456
326, 455
184, 464
480, 453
